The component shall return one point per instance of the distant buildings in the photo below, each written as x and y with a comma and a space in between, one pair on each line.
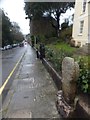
81, 26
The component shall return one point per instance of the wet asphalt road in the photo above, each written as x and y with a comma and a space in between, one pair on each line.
9, 60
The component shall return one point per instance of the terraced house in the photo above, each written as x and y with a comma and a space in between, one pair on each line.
81, 26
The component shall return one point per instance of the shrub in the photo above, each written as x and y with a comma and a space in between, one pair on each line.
56, 57
83, 81
66, 34
52, 40
64, 25
32, 40
41, 38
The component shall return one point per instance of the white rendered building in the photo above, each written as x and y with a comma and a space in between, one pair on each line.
81, 26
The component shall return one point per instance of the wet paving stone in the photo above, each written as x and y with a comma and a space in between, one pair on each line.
35, 91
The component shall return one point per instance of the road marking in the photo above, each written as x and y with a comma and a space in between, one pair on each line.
3, 86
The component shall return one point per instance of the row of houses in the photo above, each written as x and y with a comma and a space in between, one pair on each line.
81, 24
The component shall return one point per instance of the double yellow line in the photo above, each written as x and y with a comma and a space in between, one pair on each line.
3, 86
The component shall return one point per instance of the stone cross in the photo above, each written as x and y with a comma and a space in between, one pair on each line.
70, 74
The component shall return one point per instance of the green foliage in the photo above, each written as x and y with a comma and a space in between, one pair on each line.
46, 39
10, 31
66, 34
32, 37
6, 26
52, 40
56, 57
64, 25
41, 38
32, 40
62, 45
16, 34
55, 53
83, 81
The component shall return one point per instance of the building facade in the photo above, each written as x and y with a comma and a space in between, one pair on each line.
81, 26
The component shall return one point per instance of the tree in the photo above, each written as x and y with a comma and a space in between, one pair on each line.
35, 10
6, 27
17, 35
65, 24
10, 31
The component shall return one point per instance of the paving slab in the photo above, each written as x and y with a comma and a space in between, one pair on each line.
34, 91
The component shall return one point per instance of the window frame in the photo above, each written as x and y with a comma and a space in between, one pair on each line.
84, 6
81, 27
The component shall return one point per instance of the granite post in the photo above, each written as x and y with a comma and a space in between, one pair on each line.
66, 100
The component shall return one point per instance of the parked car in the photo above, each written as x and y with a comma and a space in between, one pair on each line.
14, 45
7, 47
1, 48
21, 44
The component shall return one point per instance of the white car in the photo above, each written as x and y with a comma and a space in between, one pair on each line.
5, 47
8, 47
1, 48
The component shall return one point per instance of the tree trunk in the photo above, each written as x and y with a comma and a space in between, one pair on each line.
58, 25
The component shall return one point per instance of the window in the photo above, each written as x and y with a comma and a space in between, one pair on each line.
84, 5
81, 26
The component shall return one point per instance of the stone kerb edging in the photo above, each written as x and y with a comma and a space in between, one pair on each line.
56, 77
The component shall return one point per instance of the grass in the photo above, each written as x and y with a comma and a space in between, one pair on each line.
62, 45
66, 47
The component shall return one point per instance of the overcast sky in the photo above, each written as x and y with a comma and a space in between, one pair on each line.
16, 13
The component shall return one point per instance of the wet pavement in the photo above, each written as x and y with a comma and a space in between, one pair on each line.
33, 92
